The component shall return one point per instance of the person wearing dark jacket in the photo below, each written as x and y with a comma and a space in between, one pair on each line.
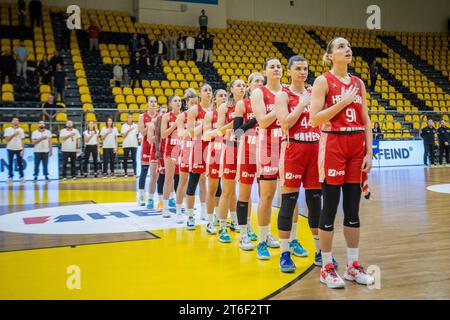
209, 42
35, 8
427, 135
7, 66
199, 47
138, 70
444, 142
21, 8
56, 59
373, 75
134, 44
44, 70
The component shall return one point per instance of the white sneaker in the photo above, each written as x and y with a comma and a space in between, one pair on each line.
180, 218
272, 242
234, 226
203, 215
329, 277
210, 229
141, 199
356, 273
245, 243
166, 214
190, 223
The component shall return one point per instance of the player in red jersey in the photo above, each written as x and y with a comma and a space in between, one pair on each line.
197, 164
298, 162
339, 107
145, 119
268, 151
191, 100
159, 146
228, 161
215, 146
245, 127
171, 151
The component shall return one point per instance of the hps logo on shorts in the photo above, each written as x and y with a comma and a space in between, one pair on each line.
245, 174
214, 171
335, 173
290, 175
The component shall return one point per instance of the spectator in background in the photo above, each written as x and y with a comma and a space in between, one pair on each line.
190, 47
134, 44
138, 70
160, 49
373, 75
70, 146
117, 74
126, 78
59, 82
47, 106
35, 8
94, 33
143, 51
209, 43
199, 47
428, 140
130, 143
90, 147
181, 44
44, 70
55, 60
166, 40
14, 138
41, 138
7, 66
203, 22
21, 59
173, 44
376, 131
444, 142
109, 137
21, 7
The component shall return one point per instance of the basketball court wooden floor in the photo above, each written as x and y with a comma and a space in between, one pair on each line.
121, 251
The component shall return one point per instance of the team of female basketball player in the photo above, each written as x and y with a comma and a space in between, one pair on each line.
319, 137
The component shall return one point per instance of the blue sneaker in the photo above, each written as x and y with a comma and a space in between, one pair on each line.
318, 260
150, 204
224, 237
262, 251
190, 223
296, 249
251, 235
172, 203
286, 263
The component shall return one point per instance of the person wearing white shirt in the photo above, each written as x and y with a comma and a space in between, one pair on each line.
42, 141
70, 146
14, 137
190, 46
109, 137
90, 147
130, 143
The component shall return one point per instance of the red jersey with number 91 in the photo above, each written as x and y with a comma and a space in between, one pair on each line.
351, 117
302, 129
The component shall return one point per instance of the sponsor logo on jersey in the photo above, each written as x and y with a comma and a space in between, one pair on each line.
290, 176
335, 173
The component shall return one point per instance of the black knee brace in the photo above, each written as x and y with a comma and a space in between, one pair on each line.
242, 212
160, 183
176, 179
288, 202
219, 189
331, 196
192, 183
351, 193
143, 176
314, 203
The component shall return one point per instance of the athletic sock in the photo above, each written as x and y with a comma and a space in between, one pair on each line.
165, 205
178, 208
284, 244
202, 208
233, 217
263, 232
190, 212
172, 196
244, 230
223, 224
210, 218
352, 255
150, 196
326, 258
316, 242
293, 235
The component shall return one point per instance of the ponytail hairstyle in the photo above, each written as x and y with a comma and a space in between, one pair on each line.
249, 82
325, 59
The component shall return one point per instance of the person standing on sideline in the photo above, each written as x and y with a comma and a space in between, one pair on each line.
427, 135
14, 138
70, 146
94, 33
42, 140
109, 137
190, 47
444, 142
21, 59
130, 143
90, 147
203, 22
209, 42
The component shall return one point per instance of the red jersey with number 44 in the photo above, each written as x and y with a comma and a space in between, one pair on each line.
351, 117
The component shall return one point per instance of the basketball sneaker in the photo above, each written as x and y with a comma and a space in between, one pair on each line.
210, 229
251, 234
262, 251
224, 237
150, 204
234, 226
166, 214
190, 224
160, 205
329, 277
141, 199
245, 243
296, 249
272, 242
356, 273
172, 203
203, 215
286, 263
179, 218
318, 260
